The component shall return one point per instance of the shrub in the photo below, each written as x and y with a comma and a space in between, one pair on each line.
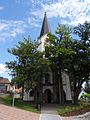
86, 97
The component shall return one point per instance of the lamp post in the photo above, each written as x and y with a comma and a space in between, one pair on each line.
13, 91
11, 66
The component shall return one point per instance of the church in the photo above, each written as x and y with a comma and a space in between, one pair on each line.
47, 90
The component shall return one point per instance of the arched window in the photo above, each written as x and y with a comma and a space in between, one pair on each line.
47, 78
31, 94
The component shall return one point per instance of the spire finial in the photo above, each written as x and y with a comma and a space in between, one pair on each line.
45, 12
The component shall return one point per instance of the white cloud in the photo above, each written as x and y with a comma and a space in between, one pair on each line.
4, 72
2, 26
1, 7
9, 29
2, 68
71, 11
33, 22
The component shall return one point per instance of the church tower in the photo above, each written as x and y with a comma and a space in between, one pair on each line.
49, 84
47, 89
45, 29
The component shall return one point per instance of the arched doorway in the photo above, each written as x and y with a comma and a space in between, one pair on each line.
47, 96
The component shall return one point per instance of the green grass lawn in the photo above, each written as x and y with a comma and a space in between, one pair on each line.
7, 100
66, 109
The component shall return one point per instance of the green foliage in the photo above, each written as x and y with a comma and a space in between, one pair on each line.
62, 53
26, 69
60, 45
71, 55
59, 52
86, 97
82, 50
83, 31
67, 109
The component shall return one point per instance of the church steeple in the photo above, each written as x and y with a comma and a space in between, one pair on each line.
45, 27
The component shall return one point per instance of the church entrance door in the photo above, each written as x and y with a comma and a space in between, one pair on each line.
47, 96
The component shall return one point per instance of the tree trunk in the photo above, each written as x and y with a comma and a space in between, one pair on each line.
61, 94
22, 91
75, 100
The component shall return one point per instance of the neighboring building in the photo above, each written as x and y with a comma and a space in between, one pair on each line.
4, 85
84, 89
47, 90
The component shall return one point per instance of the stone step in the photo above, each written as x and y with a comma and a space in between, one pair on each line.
49, 117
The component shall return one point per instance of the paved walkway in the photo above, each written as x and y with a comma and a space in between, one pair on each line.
10, 113
47, 113
49, 109
49, 117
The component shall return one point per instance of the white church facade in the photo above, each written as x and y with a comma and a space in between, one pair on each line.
47, 90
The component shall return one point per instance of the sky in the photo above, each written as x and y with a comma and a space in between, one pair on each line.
23, 18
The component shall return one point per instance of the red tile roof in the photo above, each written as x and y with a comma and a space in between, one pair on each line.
4, 81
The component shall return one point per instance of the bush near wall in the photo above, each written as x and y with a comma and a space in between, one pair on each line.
87, 97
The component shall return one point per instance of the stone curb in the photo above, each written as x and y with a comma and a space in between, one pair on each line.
82, 115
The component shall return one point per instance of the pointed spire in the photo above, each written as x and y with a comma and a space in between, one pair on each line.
45, 27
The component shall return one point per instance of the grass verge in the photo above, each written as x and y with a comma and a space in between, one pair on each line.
72, 110
7, 100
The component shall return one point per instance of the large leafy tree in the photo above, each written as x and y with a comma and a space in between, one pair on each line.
82, 50
80, 63
58, 52
72, 55
26, 68
83, 32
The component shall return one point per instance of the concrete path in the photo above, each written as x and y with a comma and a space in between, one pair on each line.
49, 117
49, 109
48, 112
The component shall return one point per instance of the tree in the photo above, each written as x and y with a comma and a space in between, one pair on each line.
83, 51
65, 53
83, 32
26, 68
58, 52
80, 65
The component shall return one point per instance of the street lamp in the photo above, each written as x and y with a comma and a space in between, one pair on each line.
13, 91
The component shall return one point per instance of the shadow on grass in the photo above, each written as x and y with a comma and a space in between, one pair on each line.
7, 100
